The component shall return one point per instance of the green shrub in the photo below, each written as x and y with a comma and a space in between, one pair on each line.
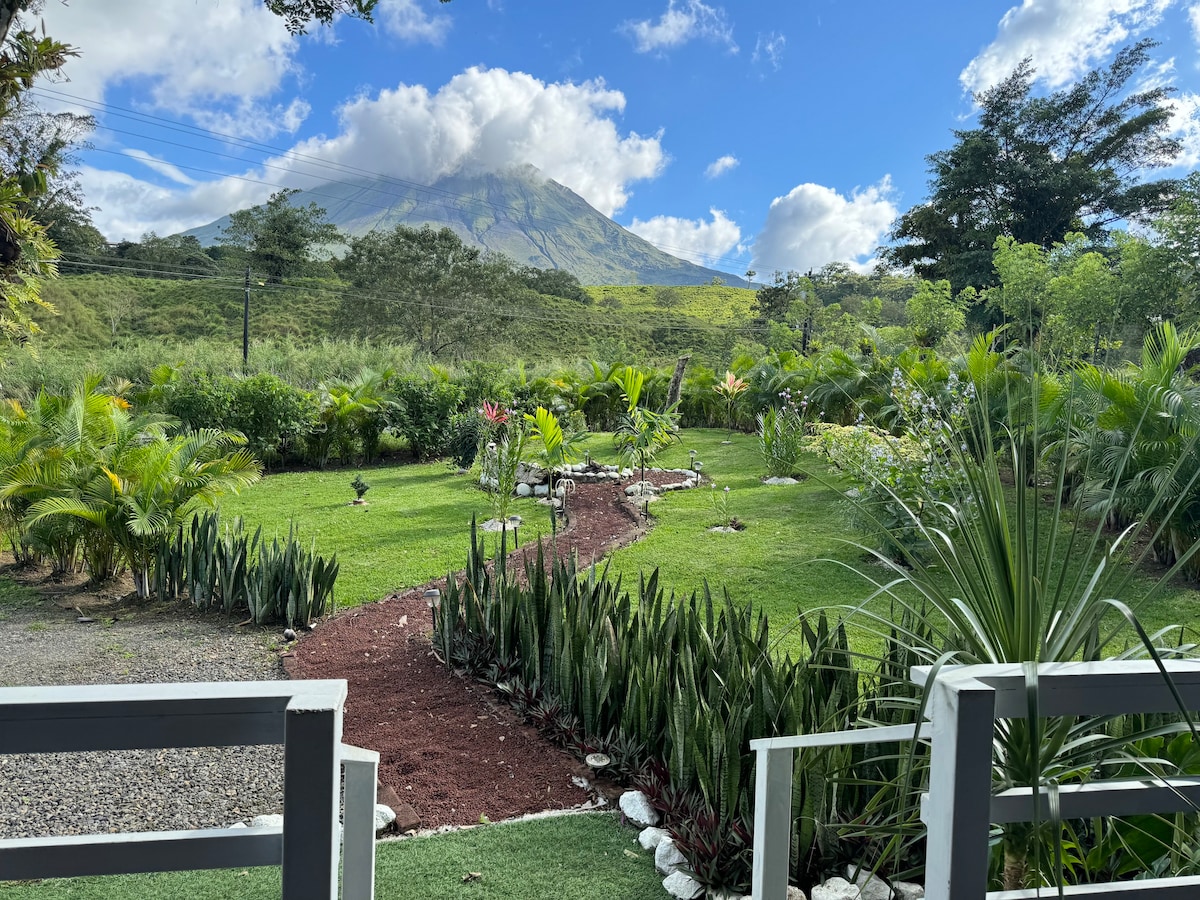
272, 414
425, 410
780, 439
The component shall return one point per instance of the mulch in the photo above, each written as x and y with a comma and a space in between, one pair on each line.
448, 746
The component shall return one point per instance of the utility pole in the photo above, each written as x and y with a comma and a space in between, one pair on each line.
246, 325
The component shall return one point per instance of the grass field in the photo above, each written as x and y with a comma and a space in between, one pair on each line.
793, 555
584, 857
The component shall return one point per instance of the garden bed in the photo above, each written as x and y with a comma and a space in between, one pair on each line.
448, 746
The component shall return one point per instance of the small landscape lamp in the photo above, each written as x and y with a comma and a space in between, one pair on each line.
587, 457
513, 522
692, 454
597, 760
433, 599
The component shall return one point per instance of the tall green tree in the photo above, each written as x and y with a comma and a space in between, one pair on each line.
427, 286
280, 239
933, 313
27, 255
1036, 168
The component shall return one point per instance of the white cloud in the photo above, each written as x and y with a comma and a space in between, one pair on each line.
483, 120
682, 22
691, 239
769, 49
814, 225
129, 206
407, 19
194, 55
161, 166
1194, 16
1184, 125
721, 166
1064, 38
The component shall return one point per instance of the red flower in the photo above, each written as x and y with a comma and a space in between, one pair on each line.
494, 413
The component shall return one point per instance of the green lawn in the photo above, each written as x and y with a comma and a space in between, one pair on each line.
584, 857
416, 528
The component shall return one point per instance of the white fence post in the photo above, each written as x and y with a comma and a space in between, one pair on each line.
311, 764
772, 823
358, 821
960, 791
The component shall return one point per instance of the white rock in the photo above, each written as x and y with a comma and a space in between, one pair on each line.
835, 889
667, 857
384, 817
906, 890
778, 480
870, 886
541, 490
627, 473
683, 886
272, 820
651, 837
637, 808
690, 483
238, 825
794, 893
524, 490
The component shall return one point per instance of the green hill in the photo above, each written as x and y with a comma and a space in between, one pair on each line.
644, 322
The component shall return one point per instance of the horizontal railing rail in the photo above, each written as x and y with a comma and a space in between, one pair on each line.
304, 716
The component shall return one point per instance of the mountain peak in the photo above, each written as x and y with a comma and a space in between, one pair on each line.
519, 212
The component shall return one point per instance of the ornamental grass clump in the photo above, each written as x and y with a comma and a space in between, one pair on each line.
1015, 565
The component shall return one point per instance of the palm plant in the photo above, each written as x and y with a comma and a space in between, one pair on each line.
642, 432
1001, 576
148, 484
353, 409
557, 447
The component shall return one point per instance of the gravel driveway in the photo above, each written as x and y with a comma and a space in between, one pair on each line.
136, 790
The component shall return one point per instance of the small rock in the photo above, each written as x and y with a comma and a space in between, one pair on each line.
636, 807
288, 634
238, 825
794, 893
384, 817
272, 820
627, 473
777, 480
651, 837
906, 890
524, 490
690, 483
682, 886
870, 886
541, 490
667, 858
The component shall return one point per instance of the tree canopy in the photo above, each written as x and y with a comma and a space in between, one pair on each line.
299, 13
280, 239
1038, 168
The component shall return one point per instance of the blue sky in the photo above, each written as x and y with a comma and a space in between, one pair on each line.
771, 135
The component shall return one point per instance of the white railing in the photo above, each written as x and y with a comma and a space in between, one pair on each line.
960, 808
304, 716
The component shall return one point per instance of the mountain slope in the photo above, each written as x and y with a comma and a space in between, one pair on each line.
530, 219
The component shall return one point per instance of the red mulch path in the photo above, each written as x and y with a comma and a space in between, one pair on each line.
447, 745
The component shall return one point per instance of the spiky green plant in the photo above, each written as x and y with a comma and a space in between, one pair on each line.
1015, 568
